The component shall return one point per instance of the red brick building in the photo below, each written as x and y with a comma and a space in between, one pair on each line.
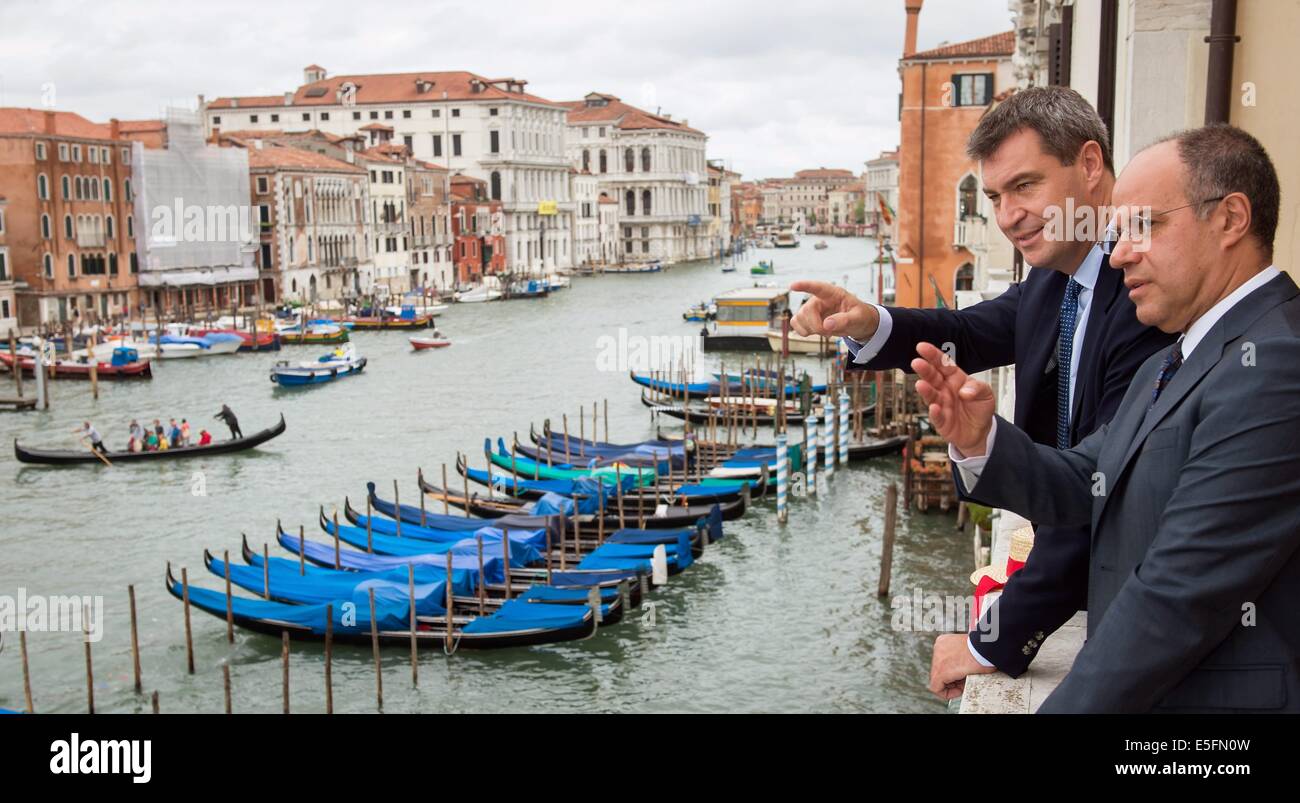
476, 225
69, 227
945, 92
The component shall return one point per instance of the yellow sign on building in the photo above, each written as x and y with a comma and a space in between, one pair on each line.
547, 208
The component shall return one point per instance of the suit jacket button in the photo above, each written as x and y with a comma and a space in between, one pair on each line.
1039, 635
1026, 650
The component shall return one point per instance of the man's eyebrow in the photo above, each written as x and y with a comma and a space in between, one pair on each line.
1016, 179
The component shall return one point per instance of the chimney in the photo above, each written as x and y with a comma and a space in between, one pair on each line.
114, 129
49, 121
288, 98
913, 9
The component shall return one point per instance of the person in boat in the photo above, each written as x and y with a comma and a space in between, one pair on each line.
136, 441
151, 442
174, 433
88, 431
185, 432
205, 438
227, 415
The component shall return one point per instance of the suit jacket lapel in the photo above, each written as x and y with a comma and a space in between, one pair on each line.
1040, 338
1103, 298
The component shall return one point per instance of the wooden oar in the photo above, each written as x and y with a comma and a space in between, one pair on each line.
97, 453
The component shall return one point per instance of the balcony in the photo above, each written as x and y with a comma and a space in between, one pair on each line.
90, 239
971, 233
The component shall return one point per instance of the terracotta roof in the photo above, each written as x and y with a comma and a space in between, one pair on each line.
823, 172
999, 44
429, 165
620, 115
313, 67
605, 199
376, 127
854, 186
280, 156
140, 126
66, 124
385, 88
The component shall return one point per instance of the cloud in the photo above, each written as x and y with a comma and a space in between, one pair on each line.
777, 86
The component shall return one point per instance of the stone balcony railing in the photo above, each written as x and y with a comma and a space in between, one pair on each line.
971, 233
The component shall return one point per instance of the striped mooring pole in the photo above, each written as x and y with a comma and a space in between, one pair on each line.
810, 453
782, 478
844, 427
828, 452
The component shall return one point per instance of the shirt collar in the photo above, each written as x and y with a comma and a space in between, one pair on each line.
1088, 270
1202, 325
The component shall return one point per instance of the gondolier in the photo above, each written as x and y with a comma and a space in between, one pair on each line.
228, 416
96, 442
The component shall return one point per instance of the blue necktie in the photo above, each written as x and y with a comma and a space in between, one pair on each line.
1064, 351
1173, 361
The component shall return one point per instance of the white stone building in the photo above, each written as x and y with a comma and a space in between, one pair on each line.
490, 129
586, 218
654, 167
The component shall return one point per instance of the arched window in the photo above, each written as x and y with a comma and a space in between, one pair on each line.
964, 278
645, 202
48, 263
67, 227
108, 191
496, 185
43, 187
586, 160
630, 199
72, 266
645, 160
109, 221
45, 226
966, 198
76, 183
629, 160
604, 162
66, 183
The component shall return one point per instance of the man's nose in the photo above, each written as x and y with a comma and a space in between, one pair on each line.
1124, 255
1009, 215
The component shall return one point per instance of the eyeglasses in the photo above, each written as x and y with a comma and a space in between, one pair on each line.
1142, 223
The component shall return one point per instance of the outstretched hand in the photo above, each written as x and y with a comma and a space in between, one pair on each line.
832, 311
961, 408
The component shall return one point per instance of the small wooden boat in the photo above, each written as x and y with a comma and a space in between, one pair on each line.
390, 322
803, 344
59, 457
261, 341
700, 312
314, 336
338, 363
478, 295
763, 268
120, 367
436, 341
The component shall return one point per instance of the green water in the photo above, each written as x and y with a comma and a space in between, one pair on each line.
779, 618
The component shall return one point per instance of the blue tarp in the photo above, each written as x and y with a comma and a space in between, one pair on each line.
519, 615
350, 615
493, 568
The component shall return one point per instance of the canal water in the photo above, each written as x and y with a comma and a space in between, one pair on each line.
774, 618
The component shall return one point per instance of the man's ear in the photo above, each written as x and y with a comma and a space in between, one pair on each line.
1094, 164
1236, 217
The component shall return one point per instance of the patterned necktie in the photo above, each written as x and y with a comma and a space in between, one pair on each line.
1064, 351
1173, 361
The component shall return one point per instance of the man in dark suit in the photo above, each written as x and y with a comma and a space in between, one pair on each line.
1192, 492
1069, 328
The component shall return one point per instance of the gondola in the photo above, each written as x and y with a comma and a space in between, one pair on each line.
523, 466
578, 457
522, 487
722, 417
858, 450
609, 584
279, 580
517, 623
53, 457
713, 387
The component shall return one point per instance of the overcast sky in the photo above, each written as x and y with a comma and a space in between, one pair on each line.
777, 86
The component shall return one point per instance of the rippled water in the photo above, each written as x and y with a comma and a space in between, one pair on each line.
773, 618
